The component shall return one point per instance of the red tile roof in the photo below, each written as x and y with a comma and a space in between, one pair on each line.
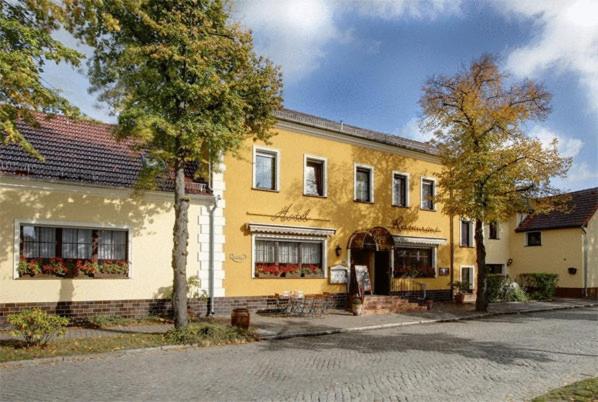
80, 151
582, 206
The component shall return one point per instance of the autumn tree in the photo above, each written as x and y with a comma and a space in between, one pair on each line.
185, 83
26, 45
491, 168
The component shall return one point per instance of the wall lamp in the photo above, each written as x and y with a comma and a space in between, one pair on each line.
338, 250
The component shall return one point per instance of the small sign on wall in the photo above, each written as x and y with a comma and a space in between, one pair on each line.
339, 274
443, 271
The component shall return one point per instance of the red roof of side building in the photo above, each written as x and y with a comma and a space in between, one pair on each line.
582, 206
80, 151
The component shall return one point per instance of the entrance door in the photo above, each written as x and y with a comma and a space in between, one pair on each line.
382, 273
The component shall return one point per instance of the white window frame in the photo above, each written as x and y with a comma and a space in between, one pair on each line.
324, 161
372, 182
525, 239
69, 225
472, 285
471, 232
276, 153
421, 192
392, 188
298, 239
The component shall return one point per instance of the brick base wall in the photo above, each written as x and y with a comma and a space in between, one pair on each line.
437, 295
576, 292
81, 310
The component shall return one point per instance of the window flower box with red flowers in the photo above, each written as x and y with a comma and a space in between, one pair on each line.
52, 268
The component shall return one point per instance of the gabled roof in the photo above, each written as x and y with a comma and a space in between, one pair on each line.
353, 131
79, 151
582, 206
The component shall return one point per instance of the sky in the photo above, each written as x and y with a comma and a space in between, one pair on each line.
364, 62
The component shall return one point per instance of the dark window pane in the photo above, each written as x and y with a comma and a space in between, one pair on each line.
534, 239
399, 189
414, 262
494, 269
493, 230
314, 177
427, 194
466, 233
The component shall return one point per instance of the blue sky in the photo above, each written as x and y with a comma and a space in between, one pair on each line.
364, 62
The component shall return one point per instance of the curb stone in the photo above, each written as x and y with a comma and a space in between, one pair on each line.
125, 352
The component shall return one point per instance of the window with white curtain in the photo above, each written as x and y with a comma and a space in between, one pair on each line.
41, 241
76, 243
288, 259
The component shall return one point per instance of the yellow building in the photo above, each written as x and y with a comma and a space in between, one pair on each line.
323, 196
563, 243
295, 214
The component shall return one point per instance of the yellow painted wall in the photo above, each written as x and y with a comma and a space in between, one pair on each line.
560, 249
497, 250
150, 220
337, 210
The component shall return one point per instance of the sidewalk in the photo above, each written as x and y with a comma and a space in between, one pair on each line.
278, 327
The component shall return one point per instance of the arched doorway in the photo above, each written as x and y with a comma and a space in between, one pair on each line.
373, 248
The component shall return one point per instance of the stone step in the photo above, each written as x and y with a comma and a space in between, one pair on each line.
374, 304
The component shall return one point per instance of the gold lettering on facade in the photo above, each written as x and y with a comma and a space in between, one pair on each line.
285, 214
399, 225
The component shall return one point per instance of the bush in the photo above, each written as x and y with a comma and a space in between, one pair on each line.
502, 288
539, 286
208, 334
36, 326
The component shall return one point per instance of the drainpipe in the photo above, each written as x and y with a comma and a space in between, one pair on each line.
211, 256
585, 261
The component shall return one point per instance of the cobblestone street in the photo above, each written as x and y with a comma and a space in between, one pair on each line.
497, 359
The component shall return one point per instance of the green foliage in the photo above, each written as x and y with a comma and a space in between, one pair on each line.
31, 267
502, 288
37, 327
114, 267
491, 167
26, 44
184, 80
462, 286
581, 391
539, 286
208, 333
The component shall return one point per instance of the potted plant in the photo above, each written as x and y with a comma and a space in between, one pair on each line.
462, 288
428, 303
31, 267
357, 305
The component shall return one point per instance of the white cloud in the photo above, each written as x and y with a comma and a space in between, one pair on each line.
412, 130
567, 40
567, 146
292, 33
415, 9
295, 33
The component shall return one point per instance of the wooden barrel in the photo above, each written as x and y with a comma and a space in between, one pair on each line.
240, 318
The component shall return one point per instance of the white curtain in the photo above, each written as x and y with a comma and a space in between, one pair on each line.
288, 253
112, 244
39, 242
362, 186
76, 243
265, 251
311, 253
264, 171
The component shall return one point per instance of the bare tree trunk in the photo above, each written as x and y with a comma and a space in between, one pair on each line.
179, 250
481, 303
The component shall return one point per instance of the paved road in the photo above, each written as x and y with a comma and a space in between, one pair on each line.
505, 358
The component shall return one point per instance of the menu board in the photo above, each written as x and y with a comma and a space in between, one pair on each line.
362, 276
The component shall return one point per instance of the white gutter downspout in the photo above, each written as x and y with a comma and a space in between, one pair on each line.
211, 257
585, 261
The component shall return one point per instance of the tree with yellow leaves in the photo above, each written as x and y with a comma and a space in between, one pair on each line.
491, 168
